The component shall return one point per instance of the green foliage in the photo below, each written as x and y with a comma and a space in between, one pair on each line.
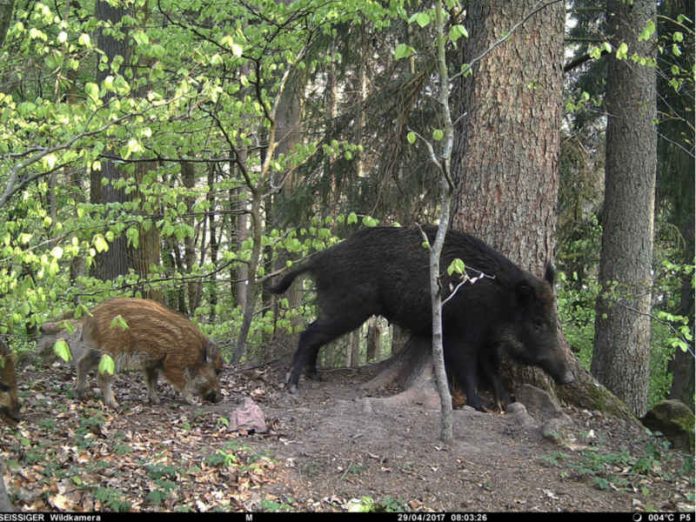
62, 350
112, 499
107, 364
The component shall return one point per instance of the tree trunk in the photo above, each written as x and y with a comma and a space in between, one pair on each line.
214, 245
147, 254
374, 336
188, 176
113, 262
507, 152
622, 327
6, 8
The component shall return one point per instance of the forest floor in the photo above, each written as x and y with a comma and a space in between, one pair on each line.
329, 448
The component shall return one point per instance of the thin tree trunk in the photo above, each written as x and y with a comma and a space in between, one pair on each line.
622, 329
214, 246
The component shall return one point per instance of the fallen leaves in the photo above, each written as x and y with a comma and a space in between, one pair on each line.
79, 456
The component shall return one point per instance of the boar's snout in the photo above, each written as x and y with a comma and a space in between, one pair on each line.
566, 378
213, 396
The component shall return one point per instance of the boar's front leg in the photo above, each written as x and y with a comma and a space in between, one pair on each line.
178, 378
105, 383
88, 362
490, 368
151, 376
461, 361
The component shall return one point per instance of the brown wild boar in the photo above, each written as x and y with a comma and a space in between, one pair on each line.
9, 404
157, 340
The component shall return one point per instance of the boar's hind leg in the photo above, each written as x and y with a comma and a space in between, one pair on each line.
151, 376
88, 362
316, 335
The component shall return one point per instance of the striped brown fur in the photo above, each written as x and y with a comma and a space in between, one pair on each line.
157, 339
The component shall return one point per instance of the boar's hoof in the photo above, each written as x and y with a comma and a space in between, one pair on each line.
292, 388
313, 375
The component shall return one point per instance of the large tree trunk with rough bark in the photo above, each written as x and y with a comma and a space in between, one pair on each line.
507, 152
114, 262
622, 329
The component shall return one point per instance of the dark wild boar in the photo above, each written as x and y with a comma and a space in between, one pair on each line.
157, 339
9, 404
384, 271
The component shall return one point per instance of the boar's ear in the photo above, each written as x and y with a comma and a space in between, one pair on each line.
550, 273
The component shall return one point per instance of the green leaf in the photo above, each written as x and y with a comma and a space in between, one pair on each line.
84, 40
352, 218
141, 38
49, 161
92, 90
422, 19
458, 31
107, 364
411, 137
119, 322
438, 134
62, 350
100, 243
677, 36
403, 51
133, 237
622, 51
647, 31
457, 266
57, 252
370, 222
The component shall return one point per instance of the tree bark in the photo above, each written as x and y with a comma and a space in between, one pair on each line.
6, 9
188, 176
113, 262
622, 327
506, 156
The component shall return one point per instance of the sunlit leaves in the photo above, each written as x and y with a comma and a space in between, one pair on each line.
457, 31
62, 350
622, 51
107, 365
647, 31
421, 18
403, 51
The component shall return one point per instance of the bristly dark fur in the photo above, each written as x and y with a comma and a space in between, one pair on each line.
385, 271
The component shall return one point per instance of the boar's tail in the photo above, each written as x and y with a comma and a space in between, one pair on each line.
288, 278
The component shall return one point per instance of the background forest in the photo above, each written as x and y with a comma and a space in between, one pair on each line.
189, 151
